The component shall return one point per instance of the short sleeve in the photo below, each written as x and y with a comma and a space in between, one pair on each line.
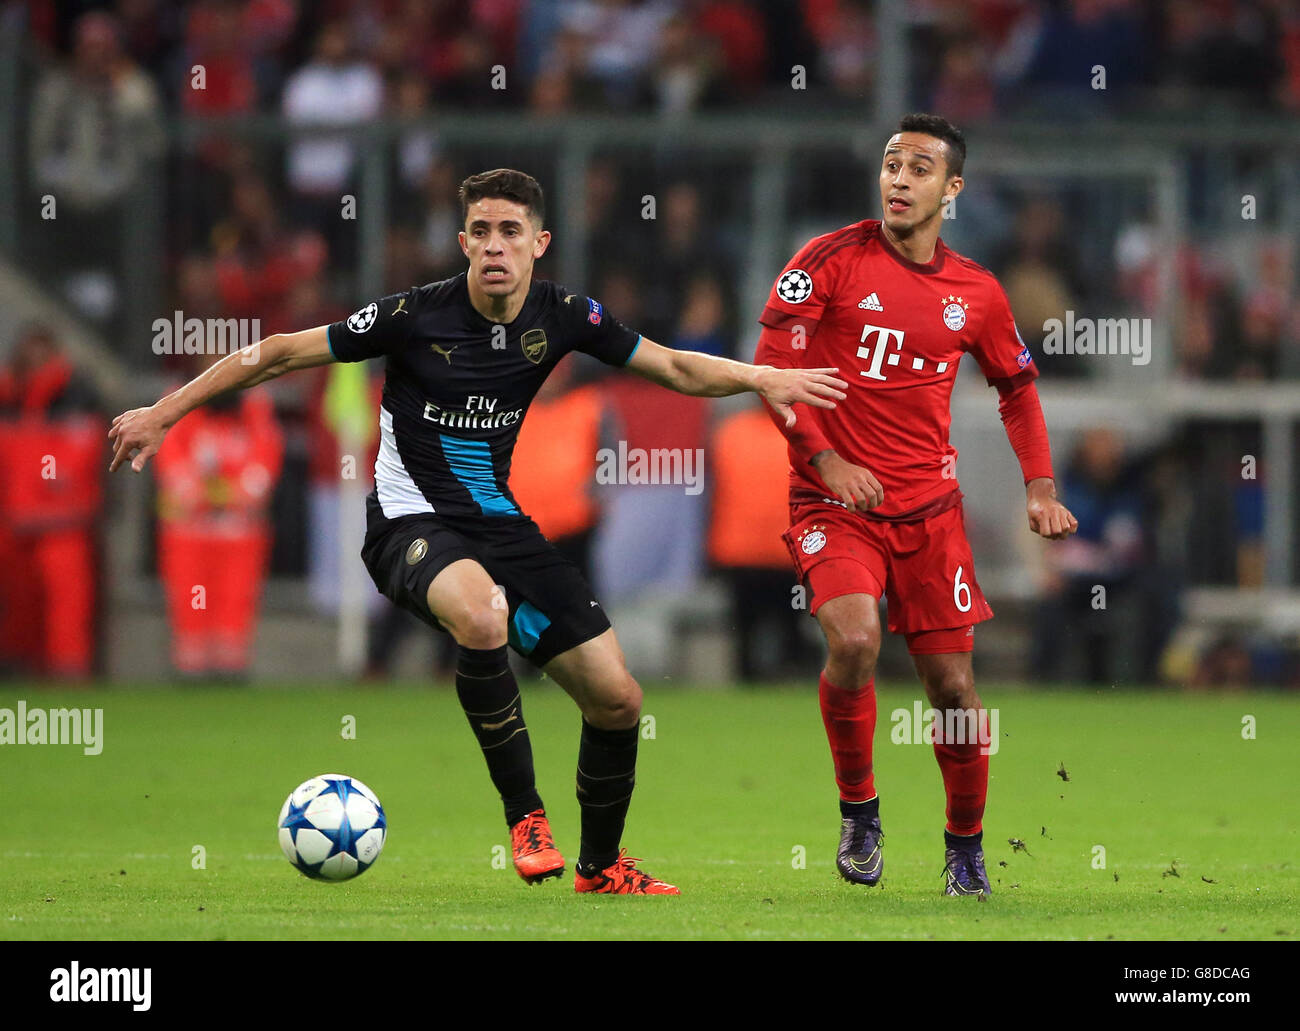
381, 327
803, 289
1001, 352
592, 330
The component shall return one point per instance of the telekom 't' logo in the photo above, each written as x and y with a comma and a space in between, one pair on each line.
887, 351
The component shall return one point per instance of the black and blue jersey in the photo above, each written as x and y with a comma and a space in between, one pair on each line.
458, 386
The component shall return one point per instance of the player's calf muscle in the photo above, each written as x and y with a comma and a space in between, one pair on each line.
596, 677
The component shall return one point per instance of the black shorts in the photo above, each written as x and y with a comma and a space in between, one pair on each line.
551, 607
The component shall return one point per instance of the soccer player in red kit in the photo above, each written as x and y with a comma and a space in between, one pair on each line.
874, 501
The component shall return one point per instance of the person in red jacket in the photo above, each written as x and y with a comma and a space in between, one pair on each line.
216, 474
50, 500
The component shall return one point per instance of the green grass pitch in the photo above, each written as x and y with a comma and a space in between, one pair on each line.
735, 803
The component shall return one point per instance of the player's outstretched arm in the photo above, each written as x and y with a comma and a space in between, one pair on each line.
703, 375
138, 434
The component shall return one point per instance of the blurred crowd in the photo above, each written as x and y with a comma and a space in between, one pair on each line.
255, 231
972, 59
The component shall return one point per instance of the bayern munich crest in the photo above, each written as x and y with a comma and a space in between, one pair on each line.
360, 321
794, 286
954, 313
813, 539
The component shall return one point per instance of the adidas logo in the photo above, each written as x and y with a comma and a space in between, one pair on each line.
871, 303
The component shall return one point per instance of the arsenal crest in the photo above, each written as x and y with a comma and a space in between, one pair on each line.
418, 549
533, 343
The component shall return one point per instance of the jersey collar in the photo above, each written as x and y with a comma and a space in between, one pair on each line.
479, 319
933, 267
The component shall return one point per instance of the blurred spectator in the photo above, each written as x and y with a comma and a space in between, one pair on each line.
1066, 42
1038, 272
680, 249
739, 34
1091, 622
616, 43
216, 471
846, 32
257, 262
702, 326
218, 76
336, 88
685, 69
964, 88
51, 469
417, 151
553, 471
749, 513
94, 125
439, 214
1223, 47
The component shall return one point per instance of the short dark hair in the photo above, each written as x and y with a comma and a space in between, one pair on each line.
507, 184
941, 129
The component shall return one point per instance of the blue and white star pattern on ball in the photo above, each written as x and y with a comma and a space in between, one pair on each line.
794, 286
332, 827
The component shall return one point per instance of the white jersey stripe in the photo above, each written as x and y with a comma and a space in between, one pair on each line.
397, 493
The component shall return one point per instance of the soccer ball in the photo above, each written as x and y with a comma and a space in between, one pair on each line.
332, 827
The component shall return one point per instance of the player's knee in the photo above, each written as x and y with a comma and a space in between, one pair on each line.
855, 650
478, 626
953, 690
616, 707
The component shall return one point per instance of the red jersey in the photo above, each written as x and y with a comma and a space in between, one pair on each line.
896, 330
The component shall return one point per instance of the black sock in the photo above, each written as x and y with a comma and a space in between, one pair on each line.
490, 697
606, 776
870, 809
952, 840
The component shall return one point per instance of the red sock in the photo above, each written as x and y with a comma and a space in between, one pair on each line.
965, 769
850, 719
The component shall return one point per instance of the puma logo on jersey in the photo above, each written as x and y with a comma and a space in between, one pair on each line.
400, 309
871, 303
442, 351
498, 726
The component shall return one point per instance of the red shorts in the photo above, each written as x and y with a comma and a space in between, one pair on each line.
924, 568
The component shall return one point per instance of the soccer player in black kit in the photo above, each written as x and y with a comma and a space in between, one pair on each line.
445, 538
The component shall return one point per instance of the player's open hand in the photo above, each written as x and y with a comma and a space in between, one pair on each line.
783, 388
852, 484
136, 437
1047, 516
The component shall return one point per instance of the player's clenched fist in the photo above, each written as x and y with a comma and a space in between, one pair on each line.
852, 484
1047, 516
136, 436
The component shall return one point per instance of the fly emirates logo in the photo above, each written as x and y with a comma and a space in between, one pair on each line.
480, 413
883, 348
